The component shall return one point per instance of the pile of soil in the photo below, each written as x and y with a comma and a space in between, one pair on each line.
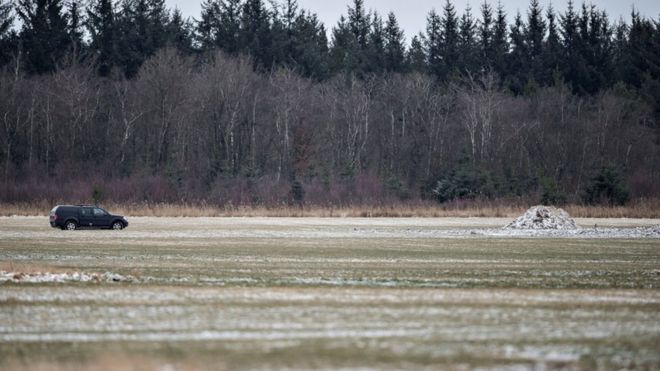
543, 217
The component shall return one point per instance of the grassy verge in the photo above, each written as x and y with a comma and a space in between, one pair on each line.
640, 208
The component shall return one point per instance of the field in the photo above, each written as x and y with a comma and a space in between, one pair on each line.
235, 293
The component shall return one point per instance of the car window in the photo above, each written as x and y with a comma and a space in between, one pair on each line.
99, 212
86, 211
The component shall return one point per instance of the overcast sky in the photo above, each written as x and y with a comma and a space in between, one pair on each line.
412, 13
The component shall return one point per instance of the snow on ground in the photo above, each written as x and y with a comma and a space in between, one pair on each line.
163, 229
69, 277
543, 217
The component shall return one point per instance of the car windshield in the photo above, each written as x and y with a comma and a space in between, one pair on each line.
99, 212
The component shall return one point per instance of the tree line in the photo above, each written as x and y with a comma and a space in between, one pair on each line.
254, 104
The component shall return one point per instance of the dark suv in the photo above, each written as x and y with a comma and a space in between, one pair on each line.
83, 216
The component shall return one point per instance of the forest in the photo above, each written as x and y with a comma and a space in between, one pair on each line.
257, 103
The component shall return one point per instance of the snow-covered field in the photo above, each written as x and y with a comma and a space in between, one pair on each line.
205, 293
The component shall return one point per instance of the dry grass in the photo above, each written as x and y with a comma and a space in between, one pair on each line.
29, 268
640, 208
110, 362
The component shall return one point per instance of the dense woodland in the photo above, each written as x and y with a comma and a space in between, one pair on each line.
257, 103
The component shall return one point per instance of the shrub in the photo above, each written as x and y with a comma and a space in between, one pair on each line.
297, 192
552, 194
606, 187
465, 182
97, 195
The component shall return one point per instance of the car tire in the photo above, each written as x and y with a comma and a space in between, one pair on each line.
70, 225
117, 226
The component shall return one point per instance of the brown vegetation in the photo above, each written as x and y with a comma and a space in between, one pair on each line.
640, 208
23, 268
109, 362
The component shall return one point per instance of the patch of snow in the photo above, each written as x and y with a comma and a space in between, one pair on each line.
45, 277
544, 218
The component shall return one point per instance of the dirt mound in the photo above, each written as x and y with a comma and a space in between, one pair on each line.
543, 217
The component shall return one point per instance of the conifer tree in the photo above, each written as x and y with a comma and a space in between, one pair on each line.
518, 69
7, 35
343, 52
6, 18
229, 27
534, 36
467, 44
449, 41
74, 29
485, 30
500, 42
571, 59
135, 43
359, 23
433, 44
159, 18
255, 37
394, 45
375, 62
416, 57
179, 32
103, 32
208, 26
311, 55
551, 50
44, 34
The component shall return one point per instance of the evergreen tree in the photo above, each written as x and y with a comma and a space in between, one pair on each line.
551, 50
395, 53
643, 71
7, 35
467, 46
571, 58
74, 29
180, 32
500, 42
6, 18
311, 53
142, 25
159, 18
376, 46
620, 56
433, 44
449, 41
600, 51
255, 36
44, 34
343, 53
229, 28
518, 69
103, 33
291, 43
485, 29
359, 23
135, 42
416, 57
208, 27
534, 36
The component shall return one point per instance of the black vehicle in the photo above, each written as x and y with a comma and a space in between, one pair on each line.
83, 216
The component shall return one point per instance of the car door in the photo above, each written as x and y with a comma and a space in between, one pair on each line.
85, 217
101, 218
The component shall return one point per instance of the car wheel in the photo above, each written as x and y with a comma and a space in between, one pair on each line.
117, 226
70, 225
